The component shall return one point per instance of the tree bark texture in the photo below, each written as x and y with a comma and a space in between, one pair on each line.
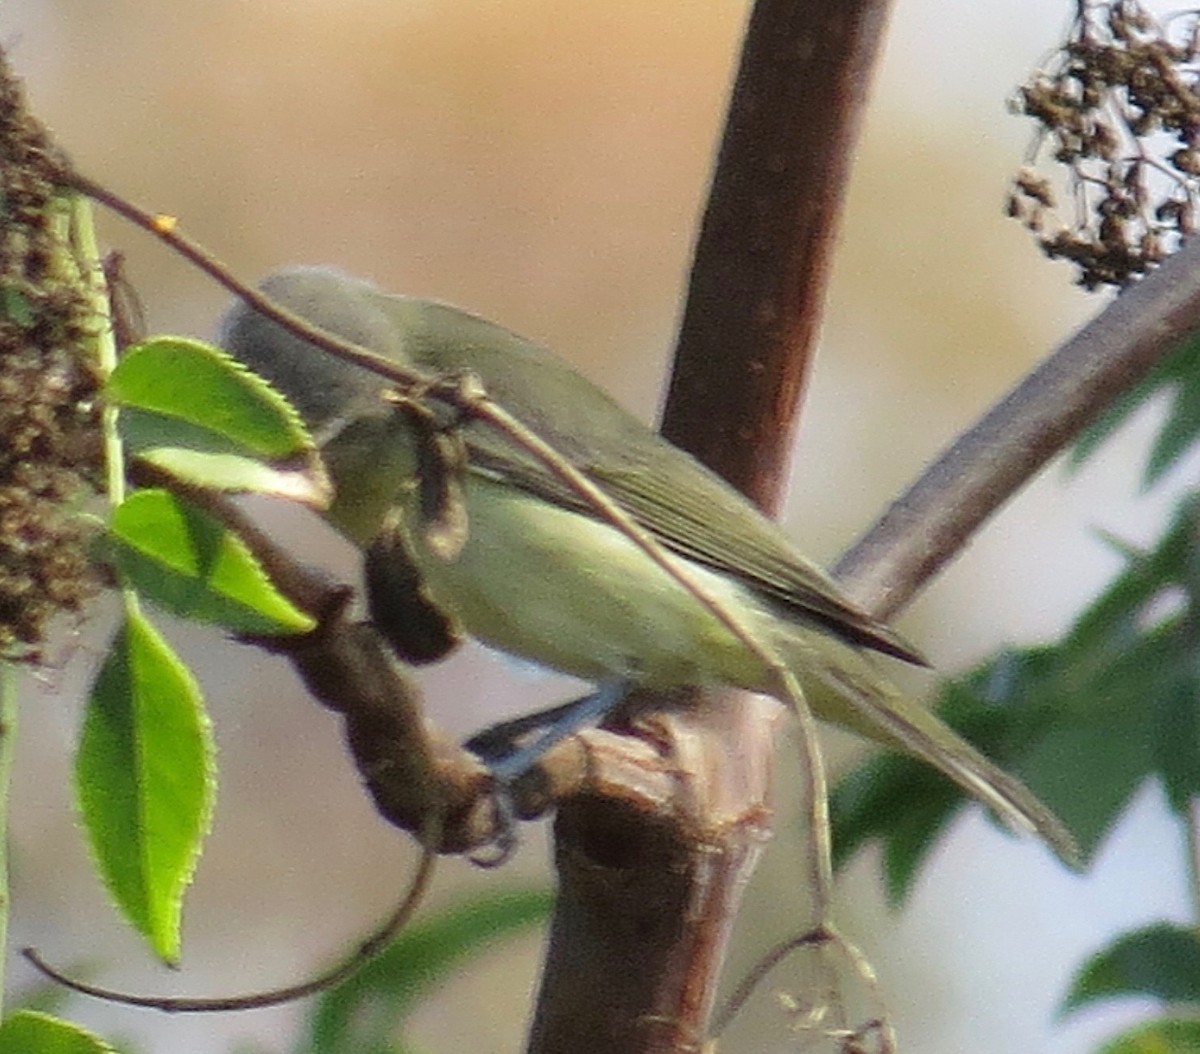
646, 901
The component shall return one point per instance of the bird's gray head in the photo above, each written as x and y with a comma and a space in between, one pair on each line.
323, 388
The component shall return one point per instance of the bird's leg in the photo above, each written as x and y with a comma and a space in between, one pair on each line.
509, 760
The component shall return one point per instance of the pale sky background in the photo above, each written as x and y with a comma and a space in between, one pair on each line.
543, 164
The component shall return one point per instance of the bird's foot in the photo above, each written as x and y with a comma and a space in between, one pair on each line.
510, 755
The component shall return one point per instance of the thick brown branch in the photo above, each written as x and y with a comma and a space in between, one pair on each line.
762, 260
646, 902
933, 519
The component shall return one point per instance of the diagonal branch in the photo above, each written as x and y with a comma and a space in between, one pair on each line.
933, 520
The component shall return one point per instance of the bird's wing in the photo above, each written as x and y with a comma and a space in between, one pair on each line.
689, 509
706, 521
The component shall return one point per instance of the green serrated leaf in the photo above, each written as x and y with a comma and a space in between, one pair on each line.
1161, 961
1167, 1036
366, 1012
202, 458
189, 563
32, 1032
201, 385
145, 780
234, 474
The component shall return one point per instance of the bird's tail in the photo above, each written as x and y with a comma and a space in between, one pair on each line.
846, 687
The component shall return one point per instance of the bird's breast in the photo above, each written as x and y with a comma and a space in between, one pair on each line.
577, 595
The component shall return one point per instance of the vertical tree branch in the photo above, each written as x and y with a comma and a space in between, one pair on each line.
765, 245
646, 903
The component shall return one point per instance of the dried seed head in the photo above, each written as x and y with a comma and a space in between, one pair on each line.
1119, 110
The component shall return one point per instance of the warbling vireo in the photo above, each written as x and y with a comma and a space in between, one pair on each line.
541, 575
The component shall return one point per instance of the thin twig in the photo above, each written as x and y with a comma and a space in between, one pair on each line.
378, 939
815, 807
821, 937
166, 229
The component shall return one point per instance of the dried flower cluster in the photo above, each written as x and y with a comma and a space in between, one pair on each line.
49, 448
1119, 108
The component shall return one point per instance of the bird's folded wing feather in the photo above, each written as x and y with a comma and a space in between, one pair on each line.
705, 521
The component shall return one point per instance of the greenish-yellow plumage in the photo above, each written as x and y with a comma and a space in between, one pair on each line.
540, 574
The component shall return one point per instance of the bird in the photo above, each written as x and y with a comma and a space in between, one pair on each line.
537, 571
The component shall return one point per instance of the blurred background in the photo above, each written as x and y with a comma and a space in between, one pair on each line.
544, 165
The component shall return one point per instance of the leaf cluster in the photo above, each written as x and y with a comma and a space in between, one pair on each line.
1086, 720
145, 769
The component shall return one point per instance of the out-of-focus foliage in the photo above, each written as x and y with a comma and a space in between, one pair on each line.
367, 1014
1085, 720
1162, 961
1088, 719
